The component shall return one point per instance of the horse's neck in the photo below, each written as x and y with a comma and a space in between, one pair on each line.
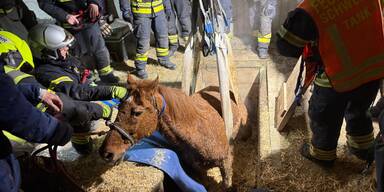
181, 110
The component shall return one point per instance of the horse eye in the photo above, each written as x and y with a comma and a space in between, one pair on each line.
136, 113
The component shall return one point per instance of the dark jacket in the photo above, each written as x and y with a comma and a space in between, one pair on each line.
60, 10
48, 71
300, 24
27, 17
21, 118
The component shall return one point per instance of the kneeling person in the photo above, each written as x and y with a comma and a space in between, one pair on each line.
60, 72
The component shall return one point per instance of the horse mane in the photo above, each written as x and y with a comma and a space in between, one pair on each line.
182, 108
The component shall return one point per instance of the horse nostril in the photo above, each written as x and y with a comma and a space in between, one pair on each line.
108, 156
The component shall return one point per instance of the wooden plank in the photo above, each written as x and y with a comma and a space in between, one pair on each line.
221, 56
231, 68
285, 101
188, 66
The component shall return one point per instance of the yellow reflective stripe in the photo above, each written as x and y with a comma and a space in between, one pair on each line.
80, 139
106, 70
16, 75
263, 40
147, 11
63, 1
41, 106
141, 57
291, 38
361, 142
6, 11
146, 5
322, 80
322, 154
14, 138
173, 39
162, 52
59, 80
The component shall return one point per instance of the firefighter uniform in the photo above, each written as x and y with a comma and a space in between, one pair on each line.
227, 7
181, 10
64, 76
15, 17
261, 16
147, 15
337, 93
88, 36
18, 116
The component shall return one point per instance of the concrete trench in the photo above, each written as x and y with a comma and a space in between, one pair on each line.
264, 159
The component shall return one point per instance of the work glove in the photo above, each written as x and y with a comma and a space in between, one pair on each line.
120, 93
105, 28
51, 100
107, 107
62, 134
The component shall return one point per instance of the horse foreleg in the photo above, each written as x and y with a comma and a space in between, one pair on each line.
227, 172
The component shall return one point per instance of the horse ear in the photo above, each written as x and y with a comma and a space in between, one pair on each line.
155, 83
131, 81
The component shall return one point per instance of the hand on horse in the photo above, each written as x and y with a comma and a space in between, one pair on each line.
120, 93
107, 110
62, 134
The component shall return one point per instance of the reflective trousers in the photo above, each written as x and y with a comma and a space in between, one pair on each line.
328, 108
90, 42
261, 14
181, 10
142, 31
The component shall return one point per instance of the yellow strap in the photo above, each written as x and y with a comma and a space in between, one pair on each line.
14, 138
361, 142
146, 5
80, 139
16, 75
59, 80
263, 40
106, 70
162, 52
291, 38
147, 11
6, 11
173, 39
63, 1
322, 154
141, 57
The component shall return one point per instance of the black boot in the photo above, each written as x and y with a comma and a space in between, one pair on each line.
109, 78
82, 144
305, 152
167, 64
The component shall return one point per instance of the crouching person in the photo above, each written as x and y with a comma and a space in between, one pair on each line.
20, 118
62, 73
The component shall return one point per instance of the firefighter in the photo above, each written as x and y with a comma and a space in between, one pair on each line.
60, 72
20, 118
347, 79
261, 15
181, 9
15, 17
80, 17
147, 15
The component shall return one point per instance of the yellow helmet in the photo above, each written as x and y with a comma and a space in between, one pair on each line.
14, 51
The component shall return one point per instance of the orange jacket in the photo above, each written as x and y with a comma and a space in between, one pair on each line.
351, 40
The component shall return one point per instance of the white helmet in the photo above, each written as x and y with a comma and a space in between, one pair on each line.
46, 39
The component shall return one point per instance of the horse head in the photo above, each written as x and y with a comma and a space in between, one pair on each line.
138, 117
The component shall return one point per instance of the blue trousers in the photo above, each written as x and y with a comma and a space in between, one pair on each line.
142, 31
10, 178
181, 9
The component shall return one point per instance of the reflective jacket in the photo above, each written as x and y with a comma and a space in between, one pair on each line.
351, 40
64, 76
146, 8
20, 118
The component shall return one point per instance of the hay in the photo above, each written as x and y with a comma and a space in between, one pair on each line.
296, 173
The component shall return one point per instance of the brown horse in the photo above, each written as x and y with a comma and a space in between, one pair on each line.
191, 124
